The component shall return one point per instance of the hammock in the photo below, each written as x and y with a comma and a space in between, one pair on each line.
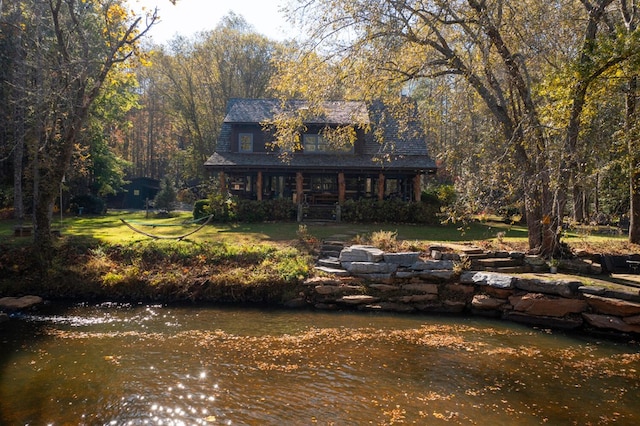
168, 237
153, 225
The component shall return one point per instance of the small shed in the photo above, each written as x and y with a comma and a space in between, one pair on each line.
135, 194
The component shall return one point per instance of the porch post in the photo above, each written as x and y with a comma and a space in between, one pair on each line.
259, 185
342, 188
381, 186
417, 188
223, 183
299, 187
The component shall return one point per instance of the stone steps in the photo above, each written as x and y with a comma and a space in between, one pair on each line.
329, 253
461, 248
330, 249
541, 301
338, 272
497, 285
330, 262
495, 262
475, 256
509, 269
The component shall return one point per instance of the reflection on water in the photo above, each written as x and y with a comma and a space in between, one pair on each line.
121, 364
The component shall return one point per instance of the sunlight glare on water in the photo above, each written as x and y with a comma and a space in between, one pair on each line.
123, 364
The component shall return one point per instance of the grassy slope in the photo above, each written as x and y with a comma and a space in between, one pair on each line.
100, 257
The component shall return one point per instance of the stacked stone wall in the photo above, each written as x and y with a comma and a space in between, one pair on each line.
405, 282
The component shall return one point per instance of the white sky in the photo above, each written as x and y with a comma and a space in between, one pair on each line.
190, 16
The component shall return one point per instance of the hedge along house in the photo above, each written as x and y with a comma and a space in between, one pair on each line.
387, 160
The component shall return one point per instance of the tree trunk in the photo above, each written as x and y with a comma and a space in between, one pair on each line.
46, 180
69, 59
42, 225
19, 110
18, 156
634, 216
18, 201
578, 203
634, 162
596, 196
542, 221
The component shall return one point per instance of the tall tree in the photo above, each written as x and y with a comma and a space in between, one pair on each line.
13, 95
98, 167
608, 49
499, 49
196, 77
71, 47
629, 11
152, 140
393, 42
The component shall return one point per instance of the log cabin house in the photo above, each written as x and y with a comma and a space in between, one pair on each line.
317, 173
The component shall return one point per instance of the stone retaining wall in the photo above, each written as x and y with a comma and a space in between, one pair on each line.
402, 282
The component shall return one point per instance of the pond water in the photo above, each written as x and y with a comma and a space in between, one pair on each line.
121, 364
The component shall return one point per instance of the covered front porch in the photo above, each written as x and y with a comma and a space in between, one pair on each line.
321, 187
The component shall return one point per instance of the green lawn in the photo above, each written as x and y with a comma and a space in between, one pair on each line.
109, 228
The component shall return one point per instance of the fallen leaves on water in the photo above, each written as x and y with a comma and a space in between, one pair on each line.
115, 360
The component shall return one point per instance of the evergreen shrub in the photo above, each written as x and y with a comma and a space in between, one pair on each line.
200, 209
166, 199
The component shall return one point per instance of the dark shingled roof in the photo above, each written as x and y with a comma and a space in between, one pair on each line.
404, 147
259, 110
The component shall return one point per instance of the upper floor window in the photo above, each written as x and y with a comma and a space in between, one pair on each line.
318, 144
245, 142
314, 143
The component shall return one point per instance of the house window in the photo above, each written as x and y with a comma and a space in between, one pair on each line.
245, 142
314, 143
318, 144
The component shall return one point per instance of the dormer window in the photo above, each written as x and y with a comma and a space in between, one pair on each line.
314, 143
245, 142
317, 144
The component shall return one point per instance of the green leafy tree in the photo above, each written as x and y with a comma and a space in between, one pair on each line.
97, 166
167, 197
629, 11
190, 83
69, 49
